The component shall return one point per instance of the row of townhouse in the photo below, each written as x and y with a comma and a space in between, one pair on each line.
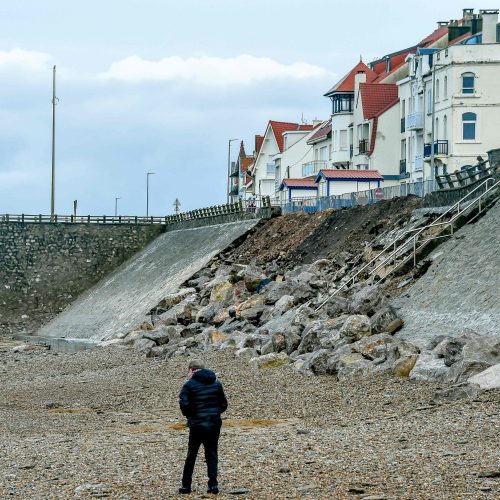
413, 114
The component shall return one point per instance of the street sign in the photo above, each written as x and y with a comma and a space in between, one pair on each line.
379, 194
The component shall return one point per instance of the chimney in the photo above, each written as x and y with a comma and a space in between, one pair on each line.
468, 14
359, 77
490, 20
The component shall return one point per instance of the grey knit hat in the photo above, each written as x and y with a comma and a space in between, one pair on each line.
196, 364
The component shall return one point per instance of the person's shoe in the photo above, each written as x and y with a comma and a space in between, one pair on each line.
213, 489
184, 490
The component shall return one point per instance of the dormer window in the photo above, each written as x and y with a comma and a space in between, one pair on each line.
468, 83
342, 103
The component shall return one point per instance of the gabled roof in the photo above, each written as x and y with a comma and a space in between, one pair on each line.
377, 98
307, 183
349, 175
321, 133
346, 84
279, 128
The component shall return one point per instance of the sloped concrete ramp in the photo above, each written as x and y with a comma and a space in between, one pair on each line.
461, 289
121, 300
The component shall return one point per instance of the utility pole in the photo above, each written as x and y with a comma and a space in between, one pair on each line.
53, 181
147, 192
229, 167
116, 205
177, 206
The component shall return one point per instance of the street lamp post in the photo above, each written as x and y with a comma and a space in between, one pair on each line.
147, 192
53, 176
229, 166
116, 205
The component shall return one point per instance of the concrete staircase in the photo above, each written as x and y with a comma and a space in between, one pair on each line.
121, 301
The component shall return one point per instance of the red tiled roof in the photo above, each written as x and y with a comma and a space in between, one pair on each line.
321, 133
346, 84
377, 98
280, 127
259, 139
299, 183
352, 174
434, 36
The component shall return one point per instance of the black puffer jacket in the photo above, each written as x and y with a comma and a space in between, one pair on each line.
202, 400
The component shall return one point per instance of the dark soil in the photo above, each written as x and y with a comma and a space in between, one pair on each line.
301, 238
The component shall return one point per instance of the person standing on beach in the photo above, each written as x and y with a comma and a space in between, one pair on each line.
202, 400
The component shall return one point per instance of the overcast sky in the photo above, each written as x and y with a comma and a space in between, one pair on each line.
161, 85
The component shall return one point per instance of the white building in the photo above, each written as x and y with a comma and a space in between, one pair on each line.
450, 100
263, 170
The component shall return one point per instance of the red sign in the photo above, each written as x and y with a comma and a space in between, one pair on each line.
379, 194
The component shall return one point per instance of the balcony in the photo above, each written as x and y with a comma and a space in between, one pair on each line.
440, 149
313, 167
363, 146
415, 121
419, 163
402, 167
403, 124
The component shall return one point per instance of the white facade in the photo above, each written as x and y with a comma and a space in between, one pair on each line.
264, 167
340, 143
461, 83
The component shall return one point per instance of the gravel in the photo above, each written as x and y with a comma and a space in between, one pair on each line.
105, 424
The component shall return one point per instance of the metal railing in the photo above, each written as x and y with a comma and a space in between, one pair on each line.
241, 206
313, 167
363, 146
456, 210
368, 197
465, 176
440, 148
402, 167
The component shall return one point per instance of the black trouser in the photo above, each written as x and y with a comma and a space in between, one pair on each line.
209, 437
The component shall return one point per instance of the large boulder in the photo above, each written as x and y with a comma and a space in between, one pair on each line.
283, 305
246, 353
184, 312
366, 299
478, 354
487, 379
356, 327
144, 346
428, 368
450, 349
221, 291
374, 346
275, 290
159, 336
174, 298
209, 312
386, 321
272, 360
252, 302
318, 330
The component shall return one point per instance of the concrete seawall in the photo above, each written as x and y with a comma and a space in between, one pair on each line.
120, 301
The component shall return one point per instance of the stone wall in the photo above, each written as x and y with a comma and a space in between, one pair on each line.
44, 267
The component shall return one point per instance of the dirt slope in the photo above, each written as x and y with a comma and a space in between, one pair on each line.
303, 238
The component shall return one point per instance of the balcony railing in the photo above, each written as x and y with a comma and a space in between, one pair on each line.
402, 167
403, 124
415, 121
313, 167
419, 163
363, 146
440, 148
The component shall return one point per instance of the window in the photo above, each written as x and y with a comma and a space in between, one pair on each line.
445, 127
436, 129
342, 103
469, 126
343, 140
330, 151
322, 153
437, 90
429, 101
468, 83
445, 88
270, 171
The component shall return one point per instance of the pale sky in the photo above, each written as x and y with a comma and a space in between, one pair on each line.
161, 85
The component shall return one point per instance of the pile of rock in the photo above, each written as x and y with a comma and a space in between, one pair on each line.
270, 318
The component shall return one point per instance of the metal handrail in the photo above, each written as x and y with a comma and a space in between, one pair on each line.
394, 242
413, 239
